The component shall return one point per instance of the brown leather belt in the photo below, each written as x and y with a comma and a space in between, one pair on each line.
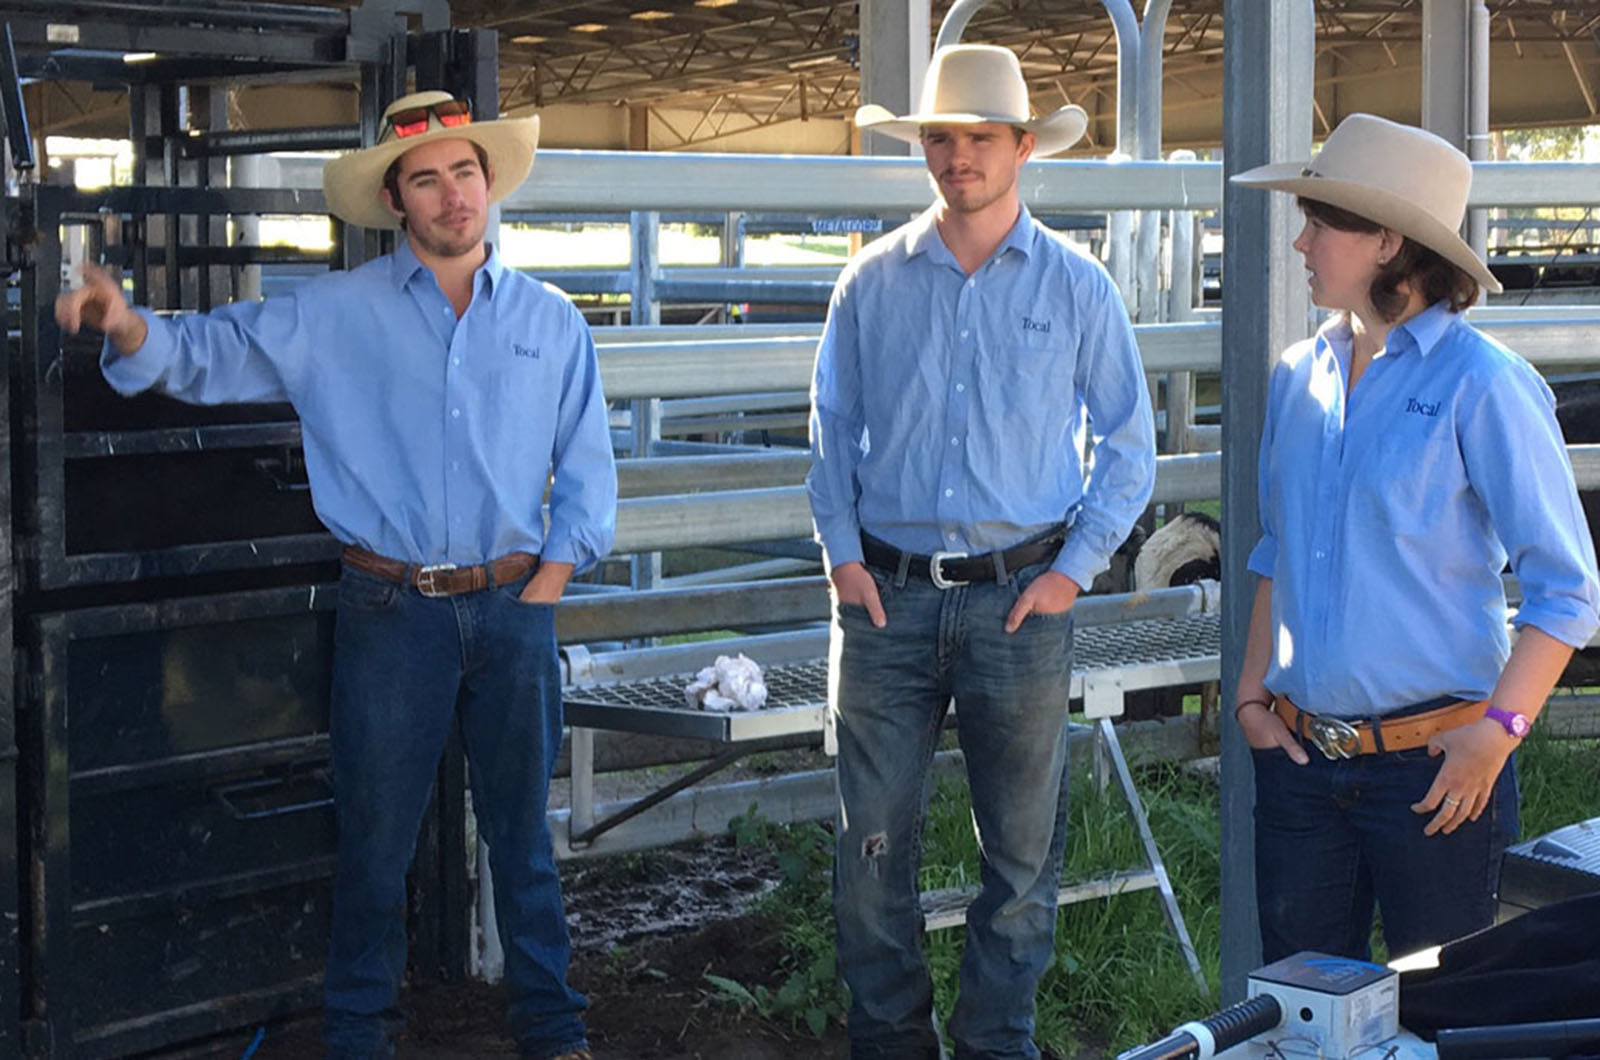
442, 579
1338, 738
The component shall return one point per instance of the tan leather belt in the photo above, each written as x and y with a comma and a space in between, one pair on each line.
442, 579
1338, 738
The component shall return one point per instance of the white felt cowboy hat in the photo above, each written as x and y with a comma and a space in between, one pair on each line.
972, 83
352, 181
1401, 177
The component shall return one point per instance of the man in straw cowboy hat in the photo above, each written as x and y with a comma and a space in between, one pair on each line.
964, 359
1405, 457
438, 392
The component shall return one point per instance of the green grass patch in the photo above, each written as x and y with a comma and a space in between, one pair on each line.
1117, 977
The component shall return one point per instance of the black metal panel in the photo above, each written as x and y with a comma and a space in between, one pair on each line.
183, 827
11, 859
10, 907
148, 486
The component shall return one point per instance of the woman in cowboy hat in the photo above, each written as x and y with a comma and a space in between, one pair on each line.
1404, 458
438, 391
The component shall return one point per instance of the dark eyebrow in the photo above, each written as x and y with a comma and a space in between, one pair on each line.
454, 167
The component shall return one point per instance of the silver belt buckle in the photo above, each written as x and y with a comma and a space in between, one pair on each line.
425, 575
1334, 738
936, 561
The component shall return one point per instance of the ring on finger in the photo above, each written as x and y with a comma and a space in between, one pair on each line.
1448, 801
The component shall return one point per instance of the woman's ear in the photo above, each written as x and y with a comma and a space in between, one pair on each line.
1389, 244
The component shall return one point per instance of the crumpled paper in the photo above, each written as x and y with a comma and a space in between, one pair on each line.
731, 683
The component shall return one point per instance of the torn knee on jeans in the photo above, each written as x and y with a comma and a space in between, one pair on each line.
874, 845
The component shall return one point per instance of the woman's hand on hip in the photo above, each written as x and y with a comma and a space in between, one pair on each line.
1263, 730
1473, 757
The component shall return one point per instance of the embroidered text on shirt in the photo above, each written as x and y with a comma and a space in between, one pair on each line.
1422, 408
525, 351
1040, 326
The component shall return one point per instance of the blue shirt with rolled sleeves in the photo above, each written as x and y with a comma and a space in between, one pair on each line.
1389, 513
950, 412
427, 439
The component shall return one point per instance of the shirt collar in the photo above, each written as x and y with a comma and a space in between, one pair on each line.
923, 237
407, 265
1426, 328
1422, 332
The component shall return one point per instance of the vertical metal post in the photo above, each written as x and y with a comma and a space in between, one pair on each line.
732, 251
894, 58
581, 749
1119, 224
1182, 270
1478, 116
1147, 270
11, 865
247, 171
645, 228
1444, 68
215, 281
1268, 52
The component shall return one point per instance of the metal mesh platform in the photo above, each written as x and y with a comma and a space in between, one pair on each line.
1136, 645
1151, 653
797, 696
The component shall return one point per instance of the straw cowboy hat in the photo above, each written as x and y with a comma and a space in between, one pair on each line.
1401, 177
972, 83
352, 181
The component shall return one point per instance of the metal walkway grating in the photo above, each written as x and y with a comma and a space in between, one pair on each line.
1145, 654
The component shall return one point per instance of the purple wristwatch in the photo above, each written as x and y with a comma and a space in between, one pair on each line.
1515, 724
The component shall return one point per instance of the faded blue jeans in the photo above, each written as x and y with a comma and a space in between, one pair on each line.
1336, 838
892, 689
406, 669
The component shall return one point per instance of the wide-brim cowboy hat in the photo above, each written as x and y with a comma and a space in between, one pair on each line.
352, 182
1401, 177
968, 84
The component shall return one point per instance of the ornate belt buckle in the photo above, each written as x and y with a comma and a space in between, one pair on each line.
1334, 738
936, 561
425, 579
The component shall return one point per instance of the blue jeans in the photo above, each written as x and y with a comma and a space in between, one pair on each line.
1336, 838
893, 687
406, 668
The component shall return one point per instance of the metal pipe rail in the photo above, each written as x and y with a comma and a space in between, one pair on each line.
624, 180
726, 517
705, 365
1179, 477
567, 181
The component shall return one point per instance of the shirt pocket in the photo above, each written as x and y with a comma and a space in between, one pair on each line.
1038, 347
1412, 481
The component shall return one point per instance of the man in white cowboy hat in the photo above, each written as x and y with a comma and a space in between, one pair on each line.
965, 358
438, 392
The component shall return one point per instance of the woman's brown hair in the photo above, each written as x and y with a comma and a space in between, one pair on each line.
1414, 266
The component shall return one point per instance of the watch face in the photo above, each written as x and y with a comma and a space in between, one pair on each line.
1515, 724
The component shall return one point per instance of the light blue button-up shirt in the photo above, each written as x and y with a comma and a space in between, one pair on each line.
949, 411
1388, 516
427, 438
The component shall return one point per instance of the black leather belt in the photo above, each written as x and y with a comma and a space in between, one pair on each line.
949, 569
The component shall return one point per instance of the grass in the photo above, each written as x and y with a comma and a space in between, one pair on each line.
1117, 977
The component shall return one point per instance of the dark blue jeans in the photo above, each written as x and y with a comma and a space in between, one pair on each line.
893, 687
407, 668
1334, 839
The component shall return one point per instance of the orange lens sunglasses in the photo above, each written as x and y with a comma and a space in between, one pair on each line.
413, 121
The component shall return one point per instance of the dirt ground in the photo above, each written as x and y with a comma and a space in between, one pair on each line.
647, 929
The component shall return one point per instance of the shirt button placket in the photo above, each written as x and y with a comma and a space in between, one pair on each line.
950, 469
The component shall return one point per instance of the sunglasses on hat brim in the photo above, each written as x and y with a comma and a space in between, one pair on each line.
413, 121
